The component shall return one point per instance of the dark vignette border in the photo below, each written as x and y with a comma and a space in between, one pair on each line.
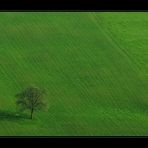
73, 5
74, 141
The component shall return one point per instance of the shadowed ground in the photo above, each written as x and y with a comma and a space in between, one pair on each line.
6, 115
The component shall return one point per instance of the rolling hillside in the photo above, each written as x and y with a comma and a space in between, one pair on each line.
94, 67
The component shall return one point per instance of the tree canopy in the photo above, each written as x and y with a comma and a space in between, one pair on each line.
32, 98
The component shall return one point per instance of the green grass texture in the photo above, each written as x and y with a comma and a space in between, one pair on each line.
94, 66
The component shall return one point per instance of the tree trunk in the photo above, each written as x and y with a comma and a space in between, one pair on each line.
31, 117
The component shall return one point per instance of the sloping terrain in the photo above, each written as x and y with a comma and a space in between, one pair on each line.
93, 66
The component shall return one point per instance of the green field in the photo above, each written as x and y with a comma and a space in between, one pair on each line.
94, 67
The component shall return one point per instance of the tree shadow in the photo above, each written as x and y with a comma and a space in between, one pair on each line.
12, 116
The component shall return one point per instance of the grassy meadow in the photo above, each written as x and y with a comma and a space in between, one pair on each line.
94, 66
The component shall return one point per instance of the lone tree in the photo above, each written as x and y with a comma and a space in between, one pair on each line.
31, 99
